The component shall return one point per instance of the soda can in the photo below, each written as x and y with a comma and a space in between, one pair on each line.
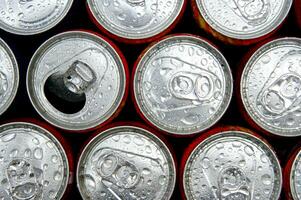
292, 176
297, 7
26, 17
230, 163
136, 21
9, 76
241, 22
182, 85
78, 81
35, 162
270, 85
126, 161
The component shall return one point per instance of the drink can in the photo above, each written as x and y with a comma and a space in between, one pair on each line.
270, 85
78, 81
126, 161
230, 163
35, 162
26, 17
292, 176
9, 76
241, 22
182, 85
136, 21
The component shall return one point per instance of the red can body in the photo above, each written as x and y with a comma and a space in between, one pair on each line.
297, 9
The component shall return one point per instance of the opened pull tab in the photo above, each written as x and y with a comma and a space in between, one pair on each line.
66, 90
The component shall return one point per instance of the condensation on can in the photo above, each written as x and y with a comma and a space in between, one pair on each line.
245, 142
90, 70
184, 58
50, 146
206, 23
131, 4
32, 17
270, 63
135, 147
9, 76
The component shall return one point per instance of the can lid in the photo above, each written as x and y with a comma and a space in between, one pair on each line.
9, 76
126, 162
271, 87
232, 165
32, 17
33, 163
183, 85
295, 178
135, 19
244, 19
81, 69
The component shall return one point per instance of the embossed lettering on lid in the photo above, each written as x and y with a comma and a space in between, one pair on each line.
183, 85
232, 165
27, 17
244, 19
126, 163
271, 87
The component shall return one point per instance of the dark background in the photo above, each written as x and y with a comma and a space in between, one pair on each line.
77, 18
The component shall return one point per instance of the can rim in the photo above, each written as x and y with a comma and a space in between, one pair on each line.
49, 136
253, 115
103, 134
132, 36
122, 71
292, 184
226, 68
35, 31
285, 11
239, 133
16, 76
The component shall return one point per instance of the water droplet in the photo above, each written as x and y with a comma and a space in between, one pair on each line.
266, 179
14, 153
35, 141
54, 158
38, 153
249, 151
127, 139
57, 176
8, 137
162, 180
146, 171
27, 153
206, 163
89, 182
264, 158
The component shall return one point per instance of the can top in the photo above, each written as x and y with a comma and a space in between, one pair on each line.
79, 68
244, 19
126, 162
271, 87
183, 85
232, 165
32, 17
33, 163
9, 76
295, 178
135, 19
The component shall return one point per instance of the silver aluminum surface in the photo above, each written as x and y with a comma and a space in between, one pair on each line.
183, 85
295, 178
135, 19
90, 66
126, 162
271, 87
28, 17
232, 165
9, 76
33, 164
244, 19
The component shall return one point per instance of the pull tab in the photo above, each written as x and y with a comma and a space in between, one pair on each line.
136, 2
79, 77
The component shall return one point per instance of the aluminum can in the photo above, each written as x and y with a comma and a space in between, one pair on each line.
126, 162
241, 22
35, 163
292, 176
297, 7
136, 21
83, 71
9, 76
270, 86
182, 85
29, 17
230, 163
